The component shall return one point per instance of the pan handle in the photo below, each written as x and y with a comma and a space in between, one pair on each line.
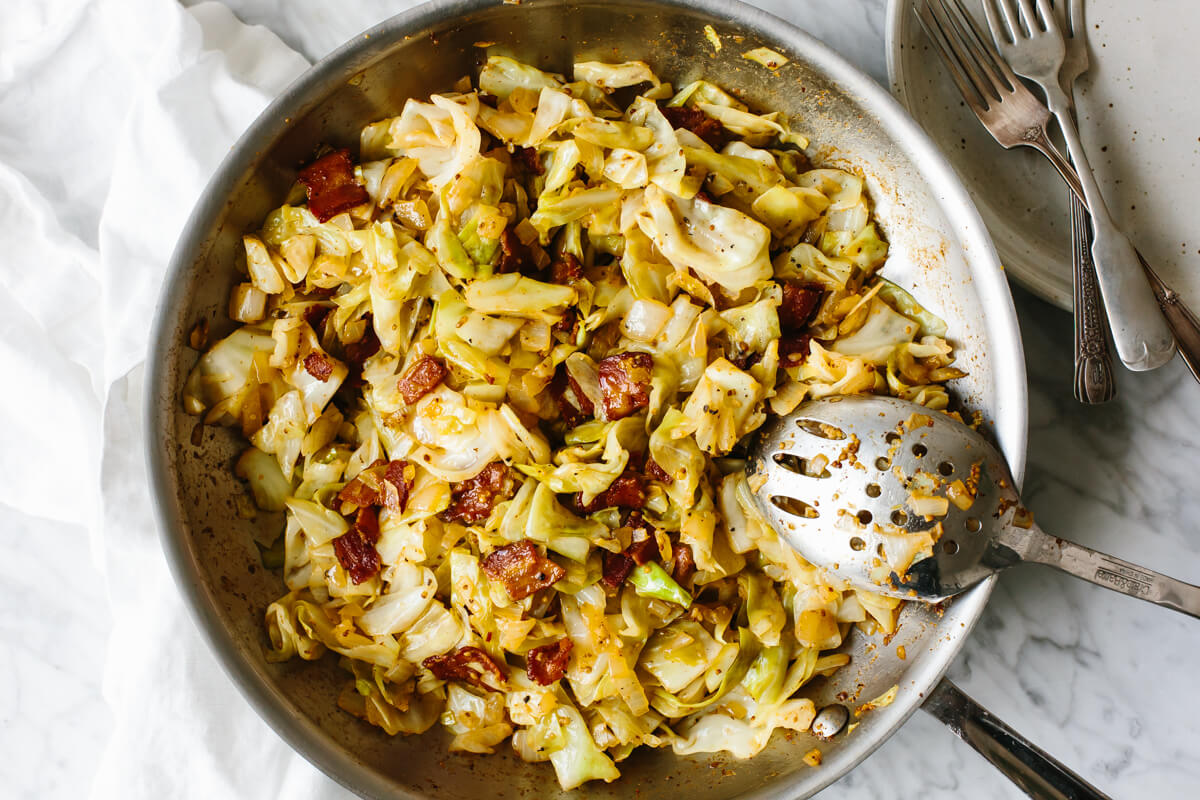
1035, 771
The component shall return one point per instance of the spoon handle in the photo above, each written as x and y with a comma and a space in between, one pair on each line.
1111, 572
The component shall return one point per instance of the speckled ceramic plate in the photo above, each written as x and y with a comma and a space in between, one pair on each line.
1139, 120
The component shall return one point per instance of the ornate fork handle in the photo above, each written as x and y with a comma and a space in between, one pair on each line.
1094, 379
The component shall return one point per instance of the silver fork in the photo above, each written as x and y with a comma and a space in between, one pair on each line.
1032, 44
1094, 379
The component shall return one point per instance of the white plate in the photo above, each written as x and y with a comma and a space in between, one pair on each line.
1139, 118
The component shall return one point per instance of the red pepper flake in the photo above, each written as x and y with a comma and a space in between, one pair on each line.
527, 157
472, 500
625, 383
698, 123
522, 569
799, 304
469, 664
317, 365
421, 378
546, 664
355, 549
331, 187
625, 491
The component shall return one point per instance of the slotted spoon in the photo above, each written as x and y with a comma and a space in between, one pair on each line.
908, 502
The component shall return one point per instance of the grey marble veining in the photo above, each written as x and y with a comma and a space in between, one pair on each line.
1102, 681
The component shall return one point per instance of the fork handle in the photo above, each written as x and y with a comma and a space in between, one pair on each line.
1036, 546
1140, 332
1094, 379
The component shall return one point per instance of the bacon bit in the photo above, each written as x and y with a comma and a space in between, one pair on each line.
331, 186
625, 383
355, 549
527, 157
793, 348
318, 366
514, 255
698, 123
522, 569
568, 323
745, 360
315, 316
624, 492
684, 564
364, 348
566, 270
421, 378
397, 483
469, 664
472, 500
548, 663
800, 301
643, 550
657, 473
617, 567
359, 492
574, 407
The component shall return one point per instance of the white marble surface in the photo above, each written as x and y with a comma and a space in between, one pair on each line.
1101, 681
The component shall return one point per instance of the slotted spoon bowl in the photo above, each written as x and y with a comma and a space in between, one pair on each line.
908, 502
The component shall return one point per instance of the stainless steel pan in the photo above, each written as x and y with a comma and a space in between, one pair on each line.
939, 248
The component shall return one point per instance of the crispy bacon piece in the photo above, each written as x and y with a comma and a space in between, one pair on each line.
331, 187
315, 316
683, 565
469, 664
364, 348
573, 405
514, 255
625, 491
472, 500
383, 483
548, 663
800, 301
397, 483
527, 157
625, 383
355, 549
567, 324
643, 549
655, 472
793, 348
317, 365
522, 569
617, 567
566, 270
697, 122
421, 378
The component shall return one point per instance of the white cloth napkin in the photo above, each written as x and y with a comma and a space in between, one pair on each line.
125, 108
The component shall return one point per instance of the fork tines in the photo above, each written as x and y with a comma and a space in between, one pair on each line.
976, 67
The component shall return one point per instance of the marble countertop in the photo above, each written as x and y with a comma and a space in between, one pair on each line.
1099, 680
